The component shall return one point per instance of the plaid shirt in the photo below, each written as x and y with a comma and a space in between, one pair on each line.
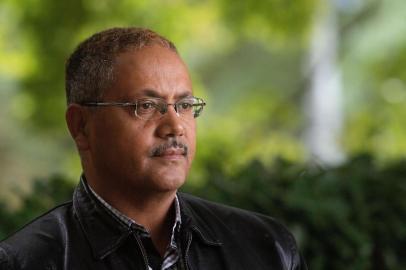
172, 253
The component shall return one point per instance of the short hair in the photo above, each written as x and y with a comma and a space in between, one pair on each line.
89, 71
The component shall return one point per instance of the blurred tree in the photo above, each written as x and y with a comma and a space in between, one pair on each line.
374, 81
277, 23
323, 100
48, 28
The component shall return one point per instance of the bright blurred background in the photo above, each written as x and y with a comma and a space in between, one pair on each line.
305, 118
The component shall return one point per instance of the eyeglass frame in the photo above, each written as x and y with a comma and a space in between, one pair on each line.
163, 111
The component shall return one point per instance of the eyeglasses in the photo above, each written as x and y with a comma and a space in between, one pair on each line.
155, 108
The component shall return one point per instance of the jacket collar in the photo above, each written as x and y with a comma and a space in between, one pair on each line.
196, 223
104, 232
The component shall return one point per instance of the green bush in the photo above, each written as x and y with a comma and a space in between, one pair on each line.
349, 217
44, 195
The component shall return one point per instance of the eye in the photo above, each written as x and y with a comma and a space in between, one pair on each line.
146, 106
185, 105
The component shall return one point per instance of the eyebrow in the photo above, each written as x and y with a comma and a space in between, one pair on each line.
153, 93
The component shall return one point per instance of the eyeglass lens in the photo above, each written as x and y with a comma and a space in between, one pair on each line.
155, 108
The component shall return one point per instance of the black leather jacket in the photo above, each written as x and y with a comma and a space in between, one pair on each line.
83, 235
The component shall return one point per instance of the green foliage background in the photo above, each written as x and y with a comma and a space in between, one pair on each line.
247, 60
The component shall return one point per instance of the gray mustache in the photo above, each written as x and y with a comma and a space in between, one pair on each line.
172, 143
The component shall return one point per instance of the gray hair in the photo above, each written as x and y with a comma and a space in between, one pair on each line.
89, 71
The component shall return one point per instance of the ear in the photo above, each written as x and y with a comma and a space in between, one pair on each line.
77, 120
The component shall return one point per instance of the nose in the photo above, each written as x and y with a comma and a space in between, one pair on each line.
170, 124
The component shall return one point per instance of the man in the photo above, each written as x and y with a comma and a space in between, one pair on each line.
131, 112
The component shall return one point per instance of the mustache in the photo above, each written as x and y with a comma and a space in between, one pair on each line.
171, 143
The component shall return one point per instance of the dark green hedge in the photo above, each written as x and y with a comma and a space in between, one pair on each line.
44, 195
349, 217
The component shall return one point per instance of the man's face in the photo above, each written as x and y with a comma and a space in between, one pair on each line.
122, 145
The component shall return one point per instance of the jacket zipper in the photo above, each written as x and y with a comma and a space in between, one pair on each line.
142, 251
187, 251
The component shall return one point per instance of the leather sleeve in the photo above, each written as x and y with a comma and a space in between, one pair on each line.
300, 263
5, 263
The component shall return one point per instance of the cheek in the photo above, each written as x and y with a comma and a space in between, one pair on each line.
121, 138
191, 137
137, 142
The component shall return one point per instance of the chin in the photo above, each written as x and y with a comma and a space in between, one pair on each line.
169, 182
172, 184
168, 176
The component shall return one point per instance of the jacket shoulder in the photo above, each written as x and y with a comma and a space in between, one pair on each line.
40, 238
5, 261
258, 232
234, 218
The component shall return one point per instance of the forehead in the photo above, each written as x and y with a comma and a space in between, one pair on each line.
150, 71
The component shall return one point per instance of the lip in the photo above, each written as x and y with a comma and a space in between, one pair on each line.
172, 154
